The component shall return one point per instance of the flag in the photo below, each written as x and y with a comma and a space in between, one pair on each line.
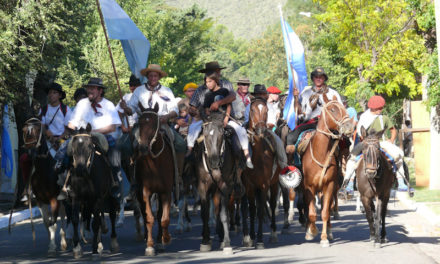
119, 26
296, 67
7, 158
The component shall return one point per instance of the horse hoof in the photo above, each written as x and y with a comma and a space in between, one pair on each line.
285, 231
259, 245
96, 256
100, 248
384, 240
330, 236
119, 223
205, 248
77, 252
248, 242
325, 243
309, 237
237, 230
179, 230
188, 228
166, 240
114, 247
228, 251
377, 245
336, 216
273, 237
149, 251
160, 248
51, 253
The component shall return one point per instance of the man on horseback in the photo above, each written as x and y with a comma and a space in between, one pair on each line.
103, 117
311, 106
273, 105
242, 99
373, 120
148, 95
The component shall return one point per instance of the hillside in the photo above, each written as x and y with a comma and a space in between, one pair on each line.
247, 19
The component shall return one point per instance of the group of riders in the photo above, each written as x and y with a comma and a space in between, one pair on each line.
181, 120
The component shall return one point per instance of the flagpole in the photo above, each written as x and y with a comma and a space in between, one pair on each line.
109, 49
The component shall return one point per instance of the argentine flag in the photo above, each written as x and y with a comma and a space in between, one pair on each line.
119, 26
296, 64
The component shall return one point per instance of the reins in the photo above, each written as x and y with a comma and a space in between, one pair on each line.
153, 140
38, 141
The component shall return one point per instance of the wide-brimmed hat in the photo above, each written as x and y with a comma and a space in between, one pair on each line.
57, 87
243, 80
376, 102
153, 68
317, 72
211, 66
259, 89
134, 81
273, 90
94, 81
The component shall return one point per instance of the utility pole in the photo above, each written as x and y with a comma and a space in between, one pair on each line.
434, 177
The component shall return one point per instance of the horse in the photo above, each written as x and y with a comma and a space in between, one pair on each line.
262, 178
90, 190
154, 174
43, 182
215, 175
375, 178
320, 166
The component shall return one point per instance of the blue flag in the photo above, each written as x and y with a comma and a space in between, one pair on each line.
296, 67
119, 26
7, 152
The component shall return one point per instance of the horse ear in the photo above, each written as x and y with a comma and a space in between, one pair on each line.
379, 134
363, 132
141, 107
324, 96
88, 128
156, 107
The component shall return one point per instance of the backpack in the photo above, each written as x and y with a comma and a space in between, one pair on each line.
62, 106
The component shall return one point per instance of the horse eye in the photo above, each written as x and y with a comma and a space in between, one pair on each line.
333, 110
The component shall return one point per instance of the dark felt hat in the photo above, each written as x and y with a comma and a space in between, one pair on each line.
134, 81
93, 81
57, 87
318, 72
259, 89
211, 67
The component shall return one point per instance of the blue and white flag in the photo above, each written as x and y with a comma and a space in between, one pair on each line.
119, 26
296, 64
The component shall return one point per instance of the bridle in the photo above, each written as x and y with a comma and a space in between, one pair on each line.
91, 156
371, 151
251, 116
32, 122
205, 152
339, 123
153, 140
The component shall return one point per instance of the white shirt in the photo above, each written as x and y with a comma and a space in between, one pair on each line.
164, 97
305, 104
106, 115
131, 119
272, 112
59, 120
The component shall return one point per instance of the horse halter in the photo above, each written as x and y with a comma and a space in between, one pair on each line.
338, 123
32, 122
91, 156
251, 116
370, 155
153, 140
205, 152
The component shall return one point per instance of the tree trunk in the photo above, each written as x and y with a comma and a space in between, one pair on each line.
434, 177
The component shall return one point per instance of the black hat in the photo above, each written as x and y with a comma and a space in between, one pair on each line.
93, 81
211, 67
57, 87
134, 81
318, 71
259, 89
79, 92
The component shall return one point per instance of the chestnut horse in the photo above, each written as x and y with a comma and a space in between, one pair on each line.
262, 178
375, 179
154, 173
43, 181
320, 166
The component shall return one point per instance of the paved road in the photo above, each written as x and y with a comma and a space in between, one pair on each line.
411, 241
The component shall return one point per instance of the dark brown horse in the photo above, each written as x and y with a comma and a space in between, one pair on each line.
262, 178
375, 179
320, 166
216, 165
43, 181
154, 173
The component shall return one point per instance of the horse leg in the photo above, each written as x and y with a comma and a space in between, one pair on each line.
237, 215
326, 203
44, 209
165, 220
300, 205
77, 250
180, 221
149, 250
187, 226
62, 213
54, 206
231, 209
312, 230
204, 212
247, 242
226, 244
292, 195
114, 246
335, 205
252, 213
383, 232
159, 245
369, 214
96, 226
377, 222
217, 202
286, 210
273, 205
261, 207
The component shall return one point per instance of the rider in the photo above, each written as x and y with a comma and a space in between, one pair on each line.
242, 99
148, 95
183, 122
373, 120
104, 119
261, 92
311, 105
273, 105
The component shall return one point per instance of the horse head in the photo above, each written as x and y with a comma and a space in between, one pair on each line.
338, 119
32, 133
82, 150
213, 138
371, 152
258, 116
149, 125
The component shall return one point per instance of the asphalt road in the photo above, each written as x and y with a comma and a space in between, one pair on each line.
410, 241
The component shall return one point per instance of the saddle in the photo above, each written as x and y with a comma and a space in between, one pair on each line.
304, 140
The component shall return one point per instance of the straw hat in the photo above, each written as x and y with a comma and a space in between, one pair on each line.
153, 68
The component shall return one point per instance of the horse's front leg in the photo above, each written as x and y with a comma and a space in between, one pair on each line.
247, 242
114, 246
165, 219
312, 230
326, 203
383, 232
204, 212
226, 244
273, 206
54, 206
377, 222
366, 201
286, 207
97, 247
261, 208
149, 250
77, 250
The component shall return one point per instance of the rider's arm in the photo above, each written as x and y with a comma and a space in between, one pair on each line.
106, 129
393, 132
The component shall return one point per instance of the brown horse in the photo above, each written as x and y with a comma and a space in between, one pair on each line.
320, 166
261, 179
154, 173
375, 179
43, 181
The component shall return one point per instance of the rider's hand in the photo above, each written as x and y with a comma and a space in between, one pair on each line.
214, 106
295, 92
313, 100
225, 121
181, 123
193, 111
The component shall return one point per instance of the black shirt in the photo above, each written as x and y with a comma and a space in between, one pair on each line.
211, 97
